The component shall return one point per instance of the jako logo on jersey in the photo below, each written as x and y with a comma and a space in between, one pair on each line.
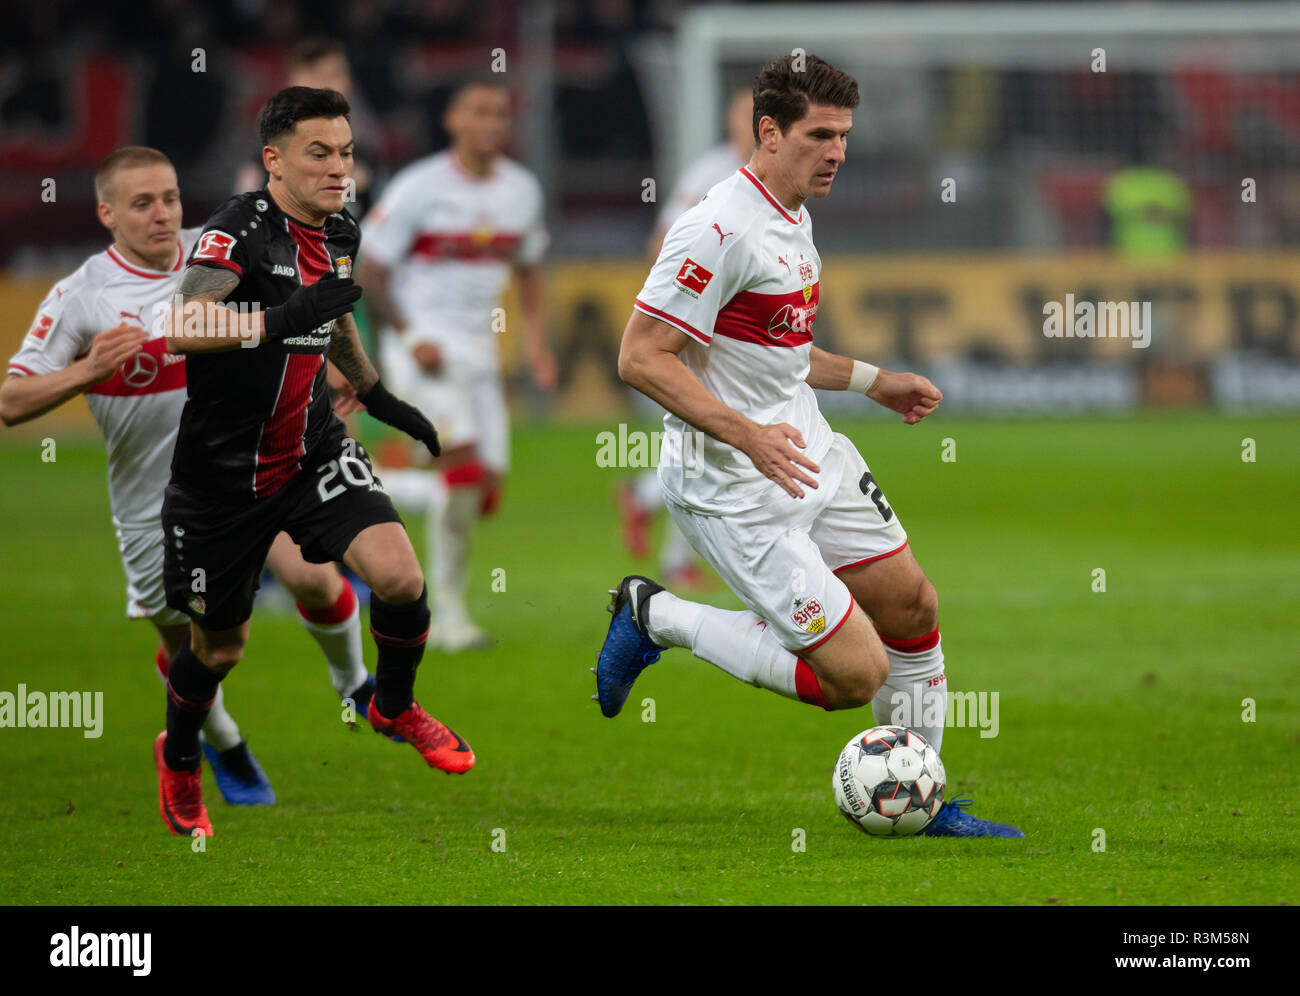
343, 267
214, 245
721, 234
692, 278
280, 270
810, 617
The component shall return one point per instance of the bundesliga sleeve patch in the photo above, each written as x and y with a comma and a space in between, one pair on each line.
37, 334
215, 246
692, 278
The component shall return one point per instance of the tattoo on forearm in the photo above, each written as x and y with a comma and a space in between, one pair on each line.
346, 354
207, 283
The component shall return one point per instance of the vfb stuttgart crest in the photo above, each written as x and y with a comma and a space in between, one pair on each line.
806, 275
809, 616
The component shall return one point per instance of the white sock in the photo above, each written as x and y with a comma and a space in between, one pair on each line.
739, 643
915, 694
449, 539
220, 729
675, 552
340, 642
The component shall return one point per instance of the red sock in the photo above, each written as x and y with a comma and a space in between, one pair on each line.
162, 662
339, 612
808, 687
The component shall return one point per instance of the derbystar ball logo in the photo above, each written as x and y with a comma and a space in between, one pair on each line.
214, 245
692, 278
810, 616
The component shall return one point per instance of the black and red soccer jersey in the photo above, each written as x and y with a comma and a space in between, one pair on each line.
254, 415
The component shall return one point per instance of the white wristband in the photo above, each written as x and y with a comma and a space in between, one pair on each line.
863, 378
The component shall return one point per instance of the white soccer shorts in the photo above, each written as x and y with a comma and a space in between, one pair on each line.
465, 407
781, 559
142, 560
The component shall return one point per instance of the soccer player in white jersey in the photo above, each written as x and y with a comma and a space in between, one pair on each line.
785, 510
99, 333
641, 497
441, 244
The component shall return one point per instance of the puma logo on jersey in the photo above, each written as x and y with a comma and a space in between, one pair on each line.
721, 234
131, 314
280, 270
781, 260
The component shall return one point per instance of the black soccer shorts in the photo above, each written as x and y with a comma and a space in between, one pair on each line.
215, 551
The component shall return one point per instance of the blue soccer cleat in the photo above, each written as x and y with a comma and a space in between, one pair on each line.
239, 777
954, 821
361, 699
628, 649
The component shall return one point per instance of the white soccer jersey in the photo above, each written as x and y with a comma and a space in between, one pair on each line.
138, 408
739, 275
698, 179
449, 239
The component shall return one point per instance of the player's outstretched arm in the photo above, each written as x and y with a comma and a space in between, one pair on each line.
911, 395
24, 397
350, 358
648, 361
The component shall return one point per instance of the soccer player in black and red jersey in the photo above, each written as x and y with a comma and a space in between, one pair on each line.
266, 299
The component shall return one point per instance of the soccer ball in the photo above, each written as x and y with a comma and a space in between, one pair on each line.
889, 782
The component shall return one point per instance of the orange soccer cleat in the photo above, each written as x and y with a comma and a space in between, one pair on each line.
180, 796
439, 745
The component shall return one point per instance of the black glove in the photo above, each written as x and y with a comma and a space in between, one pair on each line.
310, 307
397, 413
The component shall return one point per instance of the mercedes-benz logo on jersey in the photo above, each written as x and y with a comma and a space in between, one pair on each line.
782, 322
140, 370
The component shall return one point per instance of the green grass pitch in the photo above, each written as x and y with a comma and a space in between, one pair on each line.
1119, 710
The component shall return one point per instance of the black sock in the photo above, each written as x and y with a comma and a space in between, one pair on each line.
191, 690
400, 632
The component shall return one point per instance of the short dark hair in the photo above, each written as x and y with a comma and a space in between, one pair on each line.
310, 51
282, 112
127, 157
783, 93
489, 81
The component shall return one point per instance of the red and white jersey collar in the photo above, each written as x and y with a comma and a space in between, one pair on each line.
762, 189
116, 257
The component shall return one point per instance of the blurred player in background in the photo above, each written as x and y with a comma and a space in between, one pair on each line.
99, 333
322, 63
839, 613
641, 497
441, 245
267, 294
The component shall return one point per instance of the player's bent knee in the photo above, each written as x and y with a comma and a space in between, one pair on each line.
399, 587
315, 585
925, 608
